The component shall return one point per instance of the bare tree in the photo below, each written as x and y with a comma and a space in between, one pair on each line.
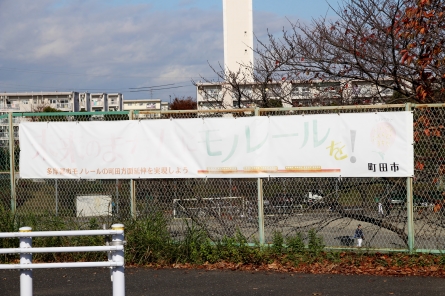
396, 44
392, 45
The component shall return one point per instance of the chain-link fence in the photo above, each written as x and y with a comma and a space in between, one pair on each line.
395, 213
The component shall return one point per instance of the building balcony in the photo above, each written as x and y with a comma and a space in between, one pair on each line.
10, 107
97, 104
62, 106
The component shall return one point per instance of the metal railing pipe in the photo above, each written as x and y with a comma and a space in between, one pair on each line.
60, 265
61, 233
61, 249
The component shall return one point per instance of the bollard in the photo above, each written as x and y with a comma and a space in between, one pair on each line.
118, 275
25, 258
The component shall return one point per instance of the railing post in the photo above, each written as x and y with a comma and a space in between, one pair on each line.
132, 184
410, 204
12, 162
25, 258
260, 201
118, 276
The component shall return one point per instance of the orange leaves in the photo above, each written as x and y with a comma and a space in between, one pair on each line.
416, 137
435, 132
404, 57
428, 14
348, 263
424, 121
419, 166
421, 93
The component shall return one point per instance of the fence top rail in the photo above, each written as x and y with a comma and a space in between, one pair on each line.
196, 111
241, 110
59, 233
437, 105
345, 107
37, 114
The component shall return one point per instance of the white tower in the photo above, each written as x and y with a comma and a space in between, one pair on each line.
238, 34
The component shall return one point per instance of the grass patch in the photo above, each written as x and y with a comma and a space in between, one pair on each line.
150, 243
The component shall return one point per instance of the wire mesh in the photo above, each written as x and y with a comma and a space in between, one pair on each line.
429, 180
334, 207
331, 206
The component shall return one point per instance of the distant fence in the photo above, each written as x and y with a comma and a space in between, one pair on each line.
396, 214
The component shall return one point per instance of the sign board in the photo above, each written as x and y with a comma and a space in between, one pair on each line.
328, 145
93, 205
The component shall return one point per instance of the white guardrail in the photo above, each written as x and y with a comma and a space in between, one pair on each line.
115, 249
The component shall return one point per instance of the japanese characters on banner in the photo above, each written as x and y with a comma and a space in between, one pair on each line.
330, 145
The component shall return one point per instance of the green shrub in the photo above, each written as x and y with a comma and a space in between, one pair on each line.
315, 245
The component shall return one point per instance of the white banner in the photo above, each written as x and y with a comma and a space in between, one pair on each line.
329, 145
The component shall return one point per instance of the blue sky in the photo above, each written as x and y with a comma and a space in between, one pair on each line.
117, 45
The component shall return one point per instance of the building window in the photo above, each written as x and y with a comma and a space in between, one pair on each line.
25, 102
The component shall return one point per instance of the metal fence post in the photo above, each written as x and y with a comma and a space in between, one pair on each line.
12, 162
118, 276
260, 212
410, 204
25, 258
132, 184
117, 196
260, 201
57, 197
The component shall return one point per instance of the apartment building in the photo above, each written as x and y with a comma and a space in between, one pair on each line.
31, 101
145, 105
98, 102
115, 102
84, 101
63, 101
291, 94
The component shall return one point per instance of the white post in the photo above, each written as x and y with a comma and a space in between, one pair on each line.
25, 258
118, 276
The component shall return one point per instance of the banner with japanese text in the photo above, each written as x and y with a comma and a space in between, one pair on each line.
325, 145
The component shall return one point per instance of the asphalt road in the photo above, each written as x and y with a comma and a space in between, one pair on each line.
141, 281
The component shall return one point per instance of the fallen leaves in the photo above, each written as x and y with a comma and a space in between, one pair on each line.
347, 263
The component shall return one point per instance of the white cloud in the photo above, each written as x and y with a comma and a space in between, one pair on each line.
90, 45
